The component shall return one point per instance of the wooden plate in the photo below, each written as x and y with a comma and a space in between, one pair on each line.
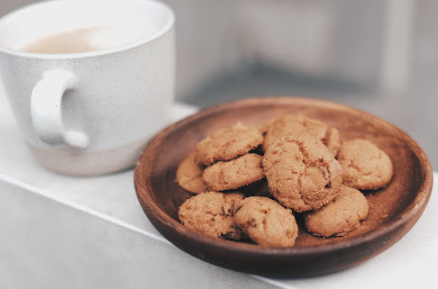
393, 210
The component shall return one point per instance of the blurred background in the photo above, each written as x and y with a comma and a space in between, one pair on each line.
379, 56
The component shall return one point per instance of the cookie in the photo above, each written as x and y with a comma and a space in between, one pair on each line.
295, 124
211, 213
234, 174
189, 175
340, 216
228, 144
302, 173
266, 222
332, 140
365, 166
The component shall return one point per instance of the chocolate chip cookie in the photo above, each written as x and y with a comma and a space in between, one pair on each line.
266, 222
228, 144
302, 173
365, 166
340, 216
189, 175
234, 174
212, 213
299, 125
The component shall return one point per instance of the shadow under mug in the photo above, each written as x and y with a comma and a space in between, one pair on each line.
90, 113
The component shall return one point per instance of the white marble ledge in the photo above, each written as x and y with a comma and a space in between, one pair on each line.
104, 210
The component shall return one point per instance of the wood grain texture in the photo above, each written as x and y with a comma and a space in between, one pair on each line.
393, 210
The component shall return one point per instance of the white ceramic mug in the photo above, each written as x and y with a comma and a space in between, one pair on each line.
90, 113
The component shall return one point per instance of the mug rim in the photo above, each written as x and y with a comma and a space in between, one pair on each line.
53, 56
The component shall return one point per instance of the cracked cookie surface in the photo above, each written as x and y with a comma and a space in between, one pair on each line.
365, 166
266, 222
340, 216
295, 124
234, 174
212, 213
189, 175
228, 143
302, 173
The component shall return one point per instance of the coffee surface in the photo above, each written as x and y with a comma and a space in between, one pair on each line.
87, 39
74, 41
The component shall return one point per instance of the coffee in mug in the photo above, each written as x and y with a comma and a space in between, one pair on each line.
89, 81
86, 39
79, 40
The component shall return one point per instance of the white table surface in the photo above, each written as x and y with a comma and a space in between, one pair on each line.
59, 231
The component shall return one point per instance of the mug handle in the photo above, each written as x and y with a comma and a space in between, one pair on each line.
45, 108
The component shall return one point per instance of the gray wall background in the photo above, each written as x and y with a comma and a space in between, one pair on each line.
377, 55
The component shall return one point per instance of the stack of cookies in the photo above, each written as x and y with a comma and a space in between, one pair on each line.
307, 169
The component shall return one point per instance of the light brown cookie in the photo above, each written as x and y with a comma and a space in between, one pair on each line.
332, 140
299, 125
212, 213
266, 222
340, 216
234, 174
189, 175
365, 166
302, 173
228, 144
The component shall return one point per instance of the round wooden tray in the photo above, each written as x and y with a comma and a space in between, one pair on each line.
393, 210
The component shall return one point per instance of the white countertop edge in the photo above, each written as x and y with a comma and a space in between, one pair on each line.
274, 282
45, 194
120, 223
